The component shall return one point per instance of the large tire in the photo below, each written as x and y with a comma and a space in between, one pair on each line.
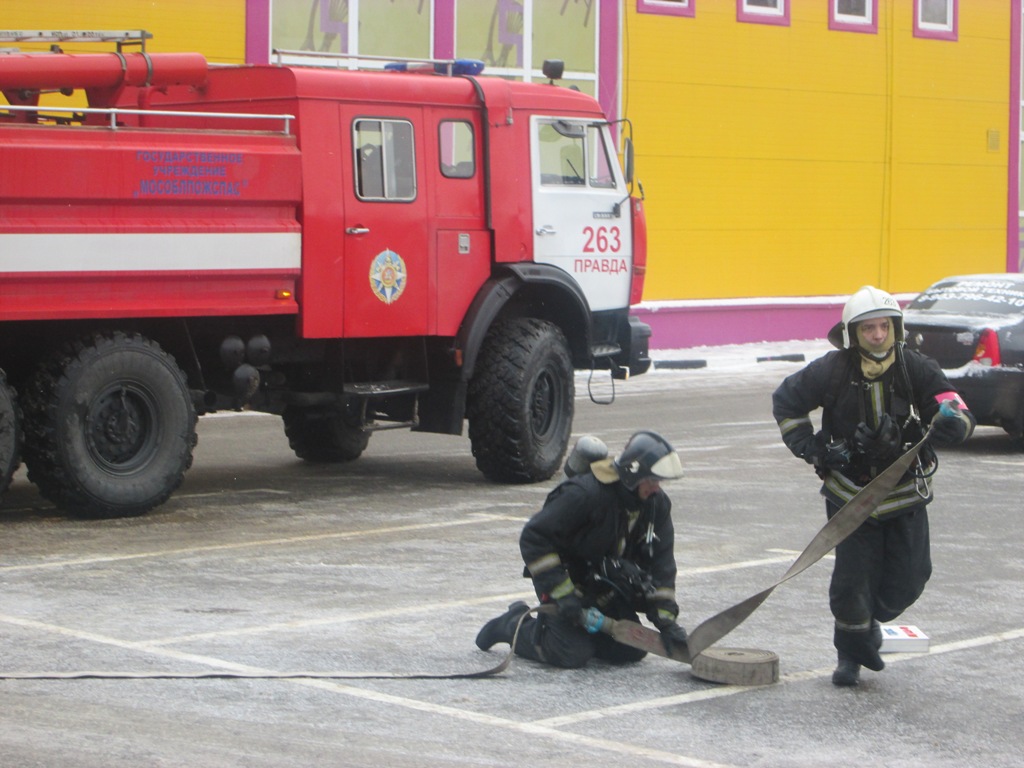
10, 433
520, 401
323, 435
110, 427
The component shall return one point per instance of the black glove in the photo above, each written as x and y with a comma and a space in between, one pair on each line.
948, 426
828, 456
633, 584
570, 608
882, 443
673, 637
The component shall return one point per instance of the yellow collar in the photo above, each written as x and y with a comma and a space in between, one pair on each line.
872, 368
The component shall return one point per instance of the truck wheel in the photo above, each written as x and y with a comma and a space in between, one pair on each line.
520, 401
10, 433
109, 427
323, 435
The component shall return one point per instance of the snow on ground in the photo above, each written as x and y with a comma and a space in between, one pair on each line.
706, 367
740, 356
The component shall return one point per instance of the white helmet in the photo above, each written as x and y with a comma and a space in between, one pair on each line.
866, 304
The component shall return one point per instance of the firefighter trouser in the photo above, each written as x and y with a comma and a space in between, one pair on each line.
881, 568
554, 641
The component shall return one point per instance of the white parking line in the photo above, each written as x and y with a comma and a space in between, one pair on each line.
450, 605
739, 564
344, 618
233, 492
634, 751
546, 728
473, 519
796, 677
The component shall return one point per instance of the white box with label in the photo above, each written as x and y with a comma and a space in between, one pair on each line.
903, 638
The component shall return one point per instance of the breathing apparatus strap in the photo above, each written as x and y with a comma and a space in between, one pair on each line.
904, 376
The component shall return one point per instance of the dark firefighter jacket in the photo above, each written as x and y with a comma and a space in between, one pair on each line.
836, 384
584, 520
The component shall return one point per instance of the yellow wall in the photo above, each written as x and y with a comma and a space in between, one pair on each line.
789, 161
777, 161
215, 28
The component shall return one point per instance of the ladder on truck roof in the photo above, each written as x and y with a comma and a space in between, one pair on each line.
121, 37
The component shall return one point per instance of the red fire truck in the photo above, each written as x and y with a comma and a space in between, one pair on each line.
352, 250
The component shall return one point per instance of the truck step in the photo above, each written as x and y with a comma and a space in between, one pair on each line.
385, 388
605, 350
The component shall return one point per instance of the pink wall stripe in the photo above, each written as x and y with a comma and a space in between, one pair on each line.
257, 31
707, 324
444, 29
1013, 176
608, 58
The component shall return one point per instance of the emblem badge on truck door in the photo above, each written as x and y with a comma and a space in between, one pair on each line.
388, 276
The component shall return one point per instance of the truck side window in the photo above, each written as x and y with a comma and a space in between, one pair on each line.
457, 149
385, 160
561, 154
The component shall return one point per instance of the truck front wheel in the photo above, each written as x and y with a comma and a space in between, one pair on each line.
10, 433
323, 435
520, 401
109, 427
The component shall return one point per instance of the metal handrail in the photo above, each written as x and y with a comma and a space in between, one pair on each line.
357, 57
115, 111
120, 36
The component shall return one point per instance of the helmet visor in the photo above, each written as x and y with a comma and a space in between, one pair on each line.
668, 467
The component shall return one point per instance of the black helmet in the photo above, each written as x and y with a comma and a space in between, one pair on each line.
647, 454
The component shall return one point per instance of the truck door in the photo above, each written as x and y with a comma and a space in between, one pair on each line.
581, 212
388, 244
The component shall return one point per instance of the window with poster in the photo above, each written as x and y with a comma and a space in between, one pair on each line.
936, 19
853, 15
666, 7
763, 11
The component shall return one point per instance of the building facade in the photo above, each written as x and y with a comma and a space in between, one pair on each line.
793, 149
790, 150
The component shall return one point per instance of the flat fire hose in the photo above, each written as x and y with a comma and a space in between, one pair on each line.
843, 523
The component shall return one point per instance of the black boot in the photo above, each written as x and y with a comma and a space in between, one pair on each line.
847, 671
861, 646
876, 634
501, 629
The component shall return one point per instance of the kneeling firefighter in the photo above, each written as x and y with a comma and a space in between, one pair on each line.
603, 539
877, 398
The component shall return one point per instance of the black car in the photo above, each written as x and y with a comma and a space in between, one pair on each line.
973, 326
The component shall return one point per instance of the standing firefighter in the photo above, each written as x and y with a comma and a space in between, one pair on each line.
604, 539
877, 399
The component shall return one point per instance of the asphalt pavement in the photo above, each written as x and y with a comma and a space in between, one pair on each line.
263, 565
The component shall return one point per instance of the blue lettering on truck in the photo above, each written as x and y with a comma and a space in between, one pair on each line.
188, 173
